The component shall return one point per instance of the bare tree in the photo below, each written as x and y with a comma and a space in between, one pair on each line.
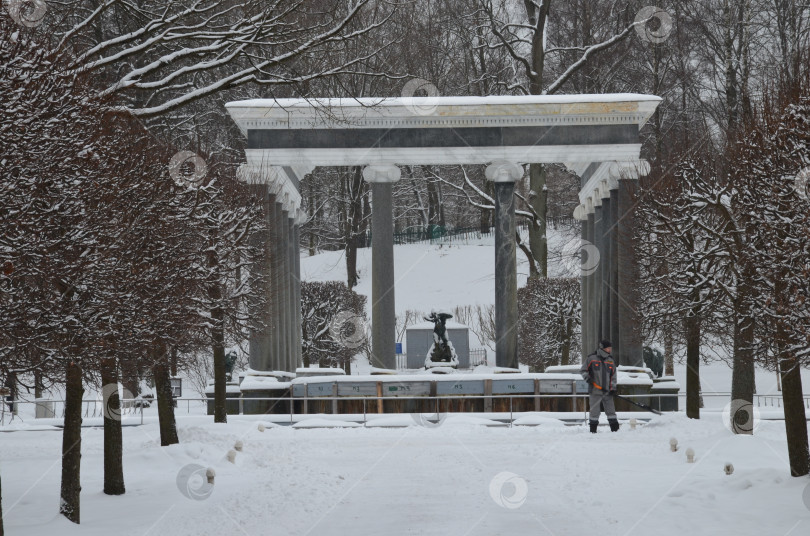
155, 57
543, 65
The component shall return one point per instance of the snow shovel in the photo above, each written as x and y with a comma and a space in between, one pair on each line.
639, 404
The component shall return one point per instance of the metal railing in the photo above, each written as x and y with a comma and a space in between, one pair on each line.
478, 356
438, 234
94, 408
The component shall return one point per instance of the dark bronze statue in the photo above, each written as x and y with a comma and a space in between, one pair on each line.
442, 351
230, 361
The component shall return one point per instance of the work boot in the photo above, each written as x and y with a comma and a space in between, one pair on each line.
594, 424
614, 425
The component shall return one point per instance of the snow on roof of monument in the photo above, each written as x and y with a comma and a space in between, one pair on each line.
442, 101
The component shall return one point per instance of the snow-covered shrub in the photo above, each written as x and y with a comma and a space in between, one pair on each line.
321, 303
549, 322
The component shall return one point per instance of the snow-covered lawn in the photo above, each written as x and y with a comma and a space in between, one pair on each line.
449, 479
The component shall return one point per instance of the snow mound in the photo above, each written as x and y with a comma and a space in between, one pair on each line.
325, 423
391, 421
536, 419
469, 420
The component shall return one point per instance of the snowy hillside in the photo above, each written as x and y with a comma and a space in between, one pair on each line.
442, 276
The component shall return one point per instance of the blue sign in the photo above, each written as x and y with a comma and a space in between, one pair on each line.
398, 346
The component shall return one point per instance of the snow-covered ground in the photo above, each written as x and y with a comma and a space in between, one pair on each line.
465, 476
456, 478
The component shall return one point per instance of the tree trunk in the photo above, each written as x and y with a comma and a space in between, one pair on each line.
113, 438
538, 199
174, 348
488, 214
656, 120
538, 194
220, 387
38, 387
130, 376
742, 375
669, 353
313, 200
355, 217
778, 378
1, 507
566, 349
435, 208
351, 263
483, 222
693, 365
72, 444
168, 427
217, 332
526, 251
731, 70
11, 384
795, 420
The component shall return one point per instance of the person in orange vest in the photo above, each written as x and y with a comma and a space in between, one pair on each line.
599, 370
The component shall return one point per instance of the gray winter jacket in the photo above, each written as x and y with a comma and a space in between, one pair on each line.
599, 370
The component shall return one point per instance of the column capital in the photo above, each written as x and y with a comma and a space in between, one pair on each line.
611, 173
604, 189
384, 174
504, 172
277, 182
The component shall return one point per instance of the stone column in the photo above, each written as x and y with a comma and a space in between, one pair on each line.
593, 311
504, 176
589, 303
383, 307
604, 250
586, 258
596, 277
583, 287
260, 347
291, 279
615, 296
629, 318
272, 253
301, 218
281, 288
